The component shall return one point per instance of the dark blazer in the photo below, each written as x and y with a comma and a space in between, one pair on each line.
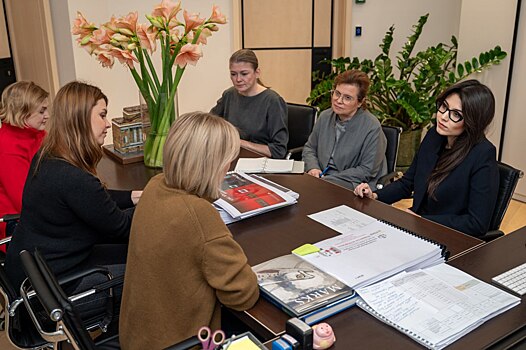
465, 198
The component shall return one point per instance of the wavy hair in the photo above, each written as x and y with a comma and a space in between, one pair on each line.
19, 101
70, 135
198, 149
478, 109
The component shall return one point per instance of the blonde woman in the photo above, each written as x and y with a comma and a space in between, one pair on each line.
181, 254
23, 118
67, 213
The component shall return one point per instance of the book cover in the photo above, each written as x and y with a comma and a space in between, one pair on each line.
297, 286
246, 196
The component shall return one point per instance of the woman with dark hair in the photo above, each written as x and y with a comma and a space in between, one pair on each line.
67, 213
259, 113
454, 175
347, 145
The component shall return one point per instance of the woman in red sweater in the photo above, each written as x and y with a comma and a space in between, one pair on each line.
23, 117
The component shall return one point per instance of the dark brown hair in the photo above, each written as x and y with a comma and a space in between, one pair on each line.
478, 109
70, 135
356, 78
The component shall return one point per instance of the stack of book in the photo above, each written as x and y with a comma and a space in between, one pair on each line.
244, 195
302, 290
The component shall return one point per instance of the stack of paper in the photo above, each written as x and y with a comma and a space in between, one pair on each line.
435, 306
244, 195
268, 165
369, 250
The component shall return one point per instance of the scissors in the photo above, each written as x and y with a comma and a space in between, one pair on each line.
209, 340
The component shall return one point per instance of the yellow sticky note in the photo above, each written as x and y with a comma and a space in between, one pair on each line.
306, 249
244, 343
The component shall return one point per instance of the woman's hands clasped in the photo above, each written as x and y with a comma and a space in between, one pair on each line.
363, 190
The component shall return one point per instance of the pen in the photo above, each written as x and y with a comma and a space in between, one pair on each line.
324, 171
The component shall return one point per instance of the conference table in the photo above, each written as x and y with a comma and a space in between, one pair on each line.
276, 233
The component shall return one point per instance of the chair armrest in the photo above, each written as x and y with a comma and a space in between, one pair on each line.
80, 274
9, 217
387, 179
294, 152
491, 235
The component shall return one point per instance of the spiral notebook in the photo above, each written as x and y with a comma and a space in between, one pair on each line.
370, 250
435, 306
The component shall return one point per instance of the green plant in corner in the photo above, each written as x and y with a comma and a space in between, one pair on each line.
405, 96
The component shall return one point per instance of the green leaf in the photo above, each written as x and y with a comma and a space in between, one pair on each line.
475, 63
460, 70
469, 69
482, 58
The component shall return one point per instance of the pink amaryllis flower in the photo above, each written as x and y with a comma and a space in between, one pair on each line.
205, 33
147, 36
124, 57
167, 9
192, 21
81, 26
101, 36
128, 24
217, 16
189, 53
105, 58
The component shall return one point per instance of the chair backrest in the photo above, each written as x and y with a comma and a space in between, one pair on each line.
508, 179
301, 120
392, 134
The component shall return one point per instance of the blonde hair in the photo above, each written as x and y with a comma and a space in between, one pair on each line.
198, 148
19, 101
70, 135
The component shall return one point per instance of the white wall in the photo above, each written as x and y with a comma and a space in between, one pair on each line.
200, 86
483, 25
376, 16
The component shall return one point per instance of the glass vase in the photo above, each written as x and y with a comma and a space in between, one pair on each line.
155, 128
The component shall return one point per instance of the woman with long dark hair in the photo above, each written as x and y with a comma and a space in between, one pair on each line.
67, 212
454, 177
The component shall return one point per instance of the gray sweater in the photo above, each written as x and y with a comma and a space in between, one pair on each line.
260, 119
359, 155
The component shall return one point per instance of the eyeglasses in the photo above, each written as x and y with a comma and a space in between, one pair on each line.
346, 99
454, 114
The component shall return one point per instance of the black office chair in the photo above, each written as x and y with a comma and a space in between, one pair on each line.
392, 134
301, 120
18, 327
61, 312
508, 179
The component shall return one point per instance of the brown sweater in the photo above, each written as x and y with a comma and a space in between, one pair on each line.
182, 262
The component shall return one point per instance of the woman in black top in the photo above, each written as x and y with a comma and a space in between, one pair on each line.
67, 213
454, 177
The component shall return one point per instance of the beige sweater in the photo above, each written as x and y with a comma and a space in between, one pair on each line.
182, 262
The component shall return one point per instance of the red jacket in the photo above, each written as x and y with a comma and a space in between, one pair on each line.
17, 148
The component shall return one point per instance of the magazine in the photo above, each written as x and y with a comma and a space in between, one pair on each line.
302, 290
243, 196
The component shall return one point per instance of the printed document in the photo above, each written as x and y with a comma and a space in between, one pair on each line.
435, 306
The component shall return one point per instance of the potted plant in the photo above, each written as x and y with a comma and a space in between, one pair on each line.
405, 96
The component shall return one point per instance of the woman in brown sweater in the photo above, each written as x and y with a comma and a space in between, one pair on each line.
182, 259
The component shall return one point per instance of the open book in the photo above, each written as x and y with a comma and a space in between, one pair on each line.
243, 196
369, 250
435, 306
268, 165
302, 290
